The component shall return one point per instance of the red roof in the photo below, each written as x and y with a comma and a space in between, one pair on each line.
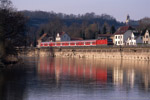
122, 30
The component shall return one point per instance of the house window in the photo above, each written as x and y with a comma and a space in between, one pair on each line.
116, 37
120, 37
146, 36
146, 42
118, 42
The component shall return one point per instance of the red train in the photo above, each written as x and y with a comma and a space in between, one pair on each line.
76, 43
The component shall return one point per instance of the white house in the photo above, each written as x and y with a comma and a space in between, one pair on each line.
134, 39
62, 37
58, 37
122, 34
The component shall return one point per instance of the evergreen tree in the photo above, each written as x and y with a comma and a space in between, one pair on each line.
104, 29
112, 30
42, 32
99, 31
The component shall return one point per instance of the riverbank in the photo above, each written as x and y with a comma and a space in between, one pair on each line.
102, 52
9, 60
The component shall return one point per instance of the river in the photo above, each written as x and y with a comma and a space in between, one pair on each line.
48, 78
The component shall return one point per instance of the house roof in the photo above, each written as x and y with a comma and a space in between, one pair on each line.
123, 29
143, 32
42, 36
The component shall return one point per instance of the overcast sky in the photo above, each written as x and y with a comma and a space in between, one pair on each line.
137, 9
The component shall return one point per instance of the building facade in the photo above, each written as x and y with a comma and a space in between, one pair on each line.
121, 35
146, 37
131, 39
118, 39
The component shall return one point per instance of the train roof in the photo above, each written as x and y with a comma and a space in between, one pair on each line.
71, 41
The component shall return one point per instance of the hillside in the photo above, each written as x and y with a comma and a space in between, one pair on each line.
36, 18
85, 26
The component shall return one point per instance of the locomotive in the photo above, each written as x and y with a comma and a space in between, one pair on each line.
77, 43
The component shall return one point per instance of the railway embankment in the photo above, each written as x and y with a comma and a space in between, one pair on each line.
101, 52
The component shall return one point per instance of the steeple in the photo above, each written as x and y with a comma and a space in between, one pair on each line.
127, 19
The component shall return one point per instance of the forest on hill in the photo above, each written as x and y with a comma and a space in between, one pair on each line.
85, 26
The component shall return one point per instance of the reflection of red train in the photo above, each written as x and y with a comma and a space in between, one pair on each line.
76, 43
76, 71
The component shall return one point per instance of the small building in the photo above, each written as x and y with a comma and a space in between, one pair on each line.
122, 34
62, 37
146, 37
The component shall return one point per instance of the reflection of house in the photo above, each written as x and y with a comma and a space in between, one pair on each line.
62, 37
146, 37
118, 76
134, 39
131, 77
122, 34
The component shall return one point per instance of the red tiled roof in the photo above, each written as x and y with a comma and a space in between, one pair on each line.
122, 30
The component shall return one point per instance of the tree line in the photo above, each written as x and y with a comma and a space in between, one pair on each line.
86, 26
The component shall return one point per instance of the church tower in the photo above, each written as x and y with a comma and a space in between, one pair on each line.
127, 19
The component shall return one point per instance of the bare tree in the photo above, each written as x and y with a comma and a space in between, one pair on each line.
5, 4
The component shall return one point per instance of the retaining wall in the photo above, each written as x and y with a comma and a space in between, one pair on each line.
133, 53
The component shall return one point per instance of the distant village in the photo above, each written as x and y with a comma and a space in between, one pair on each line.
124, 36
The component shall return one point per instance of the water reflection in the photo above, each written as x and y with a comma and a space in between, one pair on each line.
74, 69
76, 79
120, 73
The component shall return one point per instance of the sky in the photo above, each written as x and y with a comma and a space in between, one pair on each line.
119, 9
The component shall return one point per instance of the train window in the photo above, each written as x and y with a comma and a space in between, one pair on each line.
72, 43
87, 43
